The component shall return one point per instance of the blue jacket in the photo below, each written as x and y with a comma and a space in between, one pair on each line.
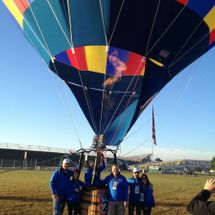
136, 187
118, 188
71, 194
60, 180
148, 196
89, 173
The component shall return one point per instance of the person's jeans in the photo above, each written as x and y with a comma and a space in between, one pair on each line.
116, 208
132, 206
147, 210
59, 205
73, 208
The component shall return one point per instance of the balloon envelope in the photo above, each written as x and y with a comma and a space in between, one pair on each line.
116, 55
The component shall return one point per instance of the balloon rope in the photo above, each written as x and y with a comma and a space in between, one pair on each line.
177, 103
45, 48
166, 30
126, 109
146, 140
73, 52
59, 23
189, 49
105, 75
70, 25
83, 87
116, 22
103, 23
56, 71
185, 43
153, 24
166, 101
73, 123
124, 94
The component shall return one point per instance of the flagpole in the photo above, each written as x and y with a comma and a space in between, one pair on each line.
153, 131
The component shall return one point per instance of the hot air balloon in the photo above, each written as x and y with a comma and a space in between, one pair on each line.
116, 55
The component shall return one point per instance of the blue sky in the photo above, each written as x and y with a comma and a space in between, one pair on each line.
36, 107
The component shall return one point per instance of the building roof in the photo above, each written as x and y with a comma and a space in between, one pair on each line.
35, 148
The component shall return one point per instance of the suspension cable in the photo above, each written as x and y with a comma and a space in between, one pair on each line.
58, 22
116, 22
187, 40
125, 92
166, 30
69, 107
83, 87
70, 25
177, 103
189, 50
105, 74
153, 24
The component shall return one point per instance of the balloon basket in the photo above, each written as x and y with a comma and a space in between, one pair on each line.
94, 202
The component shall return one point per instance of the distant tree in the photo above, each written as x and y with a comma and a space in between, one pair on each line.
158, 160
213, 163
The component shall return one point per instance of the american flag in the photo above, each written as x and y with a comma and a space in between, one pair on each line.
153, 127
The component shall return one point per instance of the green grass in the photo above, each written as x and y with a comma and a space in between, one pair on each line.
27, 192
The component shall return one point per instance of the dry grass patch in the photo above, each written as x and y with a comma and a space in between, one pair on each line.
27, 192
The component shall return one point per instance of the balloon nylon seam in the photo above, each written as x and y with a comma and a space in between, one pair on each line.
107, 44
166, 30
45, 48
122, 97
86, 96
116, 22
189, 50
126, 109
186, 41
70, 25
58, 23
40, 30
153, 24
177, 102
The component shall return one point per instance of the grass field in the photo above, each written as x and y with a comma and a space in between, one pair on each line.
27, 192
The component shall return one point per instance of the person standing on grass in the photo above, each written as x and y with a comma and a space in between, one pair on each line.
58, 185
146, 195
135, 185
200, 205
118, 192
74, 189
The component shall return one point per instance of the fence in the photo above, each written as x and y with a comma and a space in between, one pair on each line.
29, 164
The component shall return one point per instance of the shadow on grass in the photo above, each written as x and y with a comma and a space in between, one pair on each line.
25, 199
34, 199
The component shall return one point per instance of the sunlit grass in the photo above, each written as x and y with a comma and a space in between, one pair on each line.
27, 192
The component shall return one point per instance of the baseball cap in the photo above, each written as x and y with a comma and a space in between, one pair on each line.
66, 160
136, 170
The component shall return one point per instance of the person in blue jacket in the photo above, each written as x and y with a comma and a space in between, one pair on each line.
118, 192
74, 189
135, 185
147, 197
58, 185
89, 173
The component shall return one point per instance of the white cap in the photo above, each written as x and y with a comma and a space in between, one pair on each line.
66, 160
136, 170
